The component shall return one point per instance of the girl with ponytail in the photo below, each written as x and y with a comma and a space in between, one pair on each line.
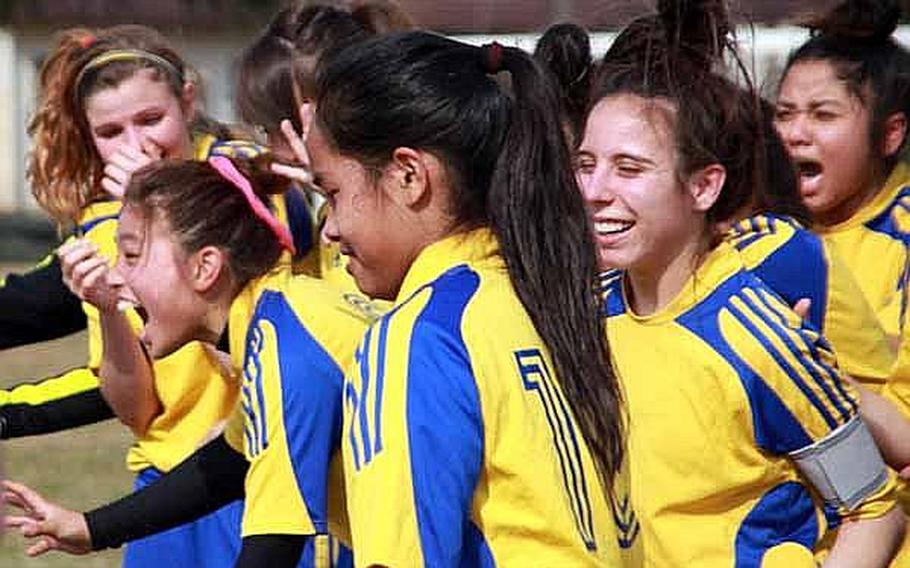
483, 421
736, 407
842, 111
199, 249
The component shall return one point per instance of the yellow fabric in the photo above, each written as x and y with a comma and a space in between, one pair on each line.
449, 452
69, 383
768, 243
721, 385
292, 336
194, 396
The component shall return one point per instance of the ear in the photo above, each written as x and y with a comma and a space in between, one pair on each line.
188, 101
410, 176
705, 186
893, 133
207, 264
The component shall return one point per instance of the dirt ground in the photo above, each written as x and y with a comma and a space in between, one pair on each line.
80, 468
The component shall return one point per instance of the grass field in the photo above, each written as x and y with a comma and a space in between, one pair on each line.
79, 469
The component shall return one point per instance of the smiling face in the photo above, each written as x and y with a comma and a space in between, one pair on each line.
157, 275
372, 229
626, 169
826, 129
141, 111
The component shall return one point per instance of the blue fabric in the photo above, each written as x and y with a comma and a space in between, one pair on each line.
210, 542
443, 411
784, 514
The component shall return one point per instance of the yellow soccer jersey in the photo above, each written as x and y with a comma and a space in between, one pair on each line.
459, 447
797, 264
874, 242
721, 385
292, 336
194, 395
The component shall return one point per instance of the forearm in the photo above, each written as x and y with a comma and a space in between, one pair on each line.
271, 551
128, 379
59, 403
209, 479
868, 543
890, 429
37, 306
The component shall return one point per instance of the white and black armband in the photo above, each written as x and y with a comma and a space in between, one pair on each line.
845, 466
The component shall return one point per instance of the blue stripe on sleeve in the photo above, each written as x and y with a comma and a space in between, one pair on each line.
311, 383
806, 362
443, 413
776, 429
812, 345
792, 373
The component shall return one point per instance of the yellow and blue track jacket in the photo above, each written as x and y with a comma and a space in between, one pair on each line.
292, 337
797, 264
459, 447
721, 385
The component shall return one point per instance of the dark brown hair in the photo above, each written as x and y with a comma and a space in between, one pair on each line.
203, 208
672, 56
510, 168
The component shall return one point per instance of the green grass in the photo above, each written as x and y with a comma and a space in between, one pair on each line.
79, 469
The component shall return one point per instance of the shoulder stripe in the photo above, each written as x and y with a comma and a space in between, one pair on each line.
813, 343
86, 227
380, 382
363, 357
739, 308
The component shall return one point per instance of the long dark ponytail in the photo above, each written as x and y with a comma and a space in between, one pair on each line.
510, 168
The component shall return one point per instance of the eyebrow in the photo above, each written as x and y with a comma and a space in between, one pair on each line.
634, 158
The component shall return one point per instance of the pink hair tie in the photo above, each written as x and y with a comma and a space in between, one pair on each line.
229, 171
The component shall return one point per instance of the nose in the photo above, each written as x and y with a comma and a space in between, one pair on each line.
330, 232
133, 138
595, 187
795, 131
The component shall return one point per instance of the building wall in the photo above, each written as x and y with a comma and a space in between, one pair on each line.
765, 49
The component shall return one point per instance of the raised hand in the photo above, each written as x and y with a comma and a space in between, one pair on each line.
87, 273
47, 525
297, 142
124, 163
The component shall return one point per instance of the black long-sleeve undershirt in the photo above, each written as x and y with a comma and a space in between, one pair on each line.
37, 306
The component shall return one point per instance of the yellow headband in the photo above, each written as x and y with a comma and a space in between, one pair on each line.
103, 59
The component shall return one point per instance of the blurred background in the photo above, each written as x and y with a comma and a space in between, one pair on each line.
84, 468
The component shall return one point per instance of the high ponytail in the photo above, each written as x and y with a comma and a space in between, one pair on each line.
509, 167
677, 56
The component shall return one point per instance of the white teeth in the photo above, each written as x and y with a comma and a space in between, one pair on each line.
611, 227
124, 305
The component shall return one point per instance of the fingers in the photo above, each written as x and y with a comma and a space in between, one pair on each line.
294, 173
296, 143
22, 496
42, 545
802, 307
306, 113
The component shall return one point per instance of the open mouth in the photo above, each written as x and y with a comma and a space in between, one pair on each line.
124, 305
808, 169
612, 227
